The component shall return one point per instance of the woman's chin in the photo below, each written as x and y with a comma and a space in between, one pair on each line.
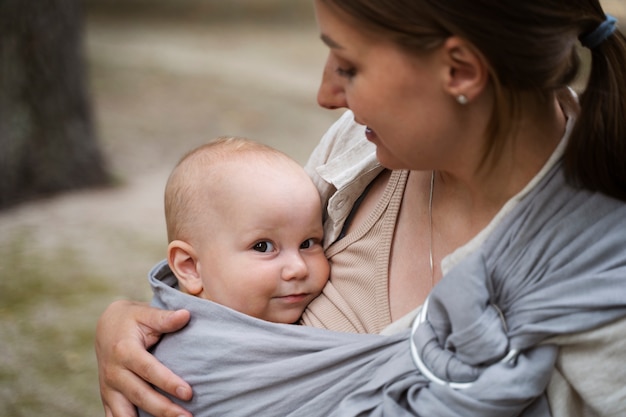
387, 160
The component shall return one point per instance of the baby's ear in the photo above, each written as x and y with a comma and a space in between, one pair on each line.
184, 263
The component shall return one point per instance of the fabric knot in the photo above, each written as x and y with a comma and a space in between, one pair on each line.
464, 354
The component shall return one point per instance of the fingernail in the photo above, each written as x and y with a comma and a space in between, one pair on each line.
181, 392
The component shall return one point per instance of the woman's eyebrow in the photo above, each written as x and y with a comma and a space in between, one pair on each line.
330, 42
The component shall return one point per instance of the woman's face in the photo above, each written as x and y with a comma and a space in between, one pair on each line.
399, 96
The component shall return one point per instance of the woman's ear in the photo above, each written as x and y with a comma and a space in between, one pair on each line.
183, 261
467, 72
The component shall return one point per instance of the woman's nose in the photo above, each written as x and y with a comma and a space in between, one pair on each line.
331, 94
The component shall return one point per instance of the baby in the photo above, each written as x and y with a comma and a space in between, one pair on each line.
244, 225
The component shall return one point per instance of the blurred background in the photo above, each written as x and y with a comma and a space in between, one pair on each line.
160, 78
143, 82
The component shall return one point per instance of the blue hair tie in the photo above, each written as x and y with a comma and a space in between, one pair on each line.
605, 29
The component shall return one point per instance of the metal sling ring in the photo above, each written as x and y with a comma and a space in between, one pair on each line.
421, 366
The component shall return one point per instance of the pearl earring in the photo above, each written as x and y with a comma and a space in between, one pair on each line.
462, 99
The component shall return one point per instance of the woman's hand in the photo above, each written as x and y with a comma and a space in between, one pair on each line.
125, 331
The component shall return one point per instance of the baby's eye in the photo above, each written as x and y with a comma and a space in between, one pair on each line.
263, 246
307, 244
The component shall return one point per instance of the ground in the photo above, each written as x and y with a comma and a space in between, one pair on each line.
158, 89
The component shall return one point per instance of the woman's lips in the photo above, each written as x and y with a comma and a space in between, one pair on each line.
370, 134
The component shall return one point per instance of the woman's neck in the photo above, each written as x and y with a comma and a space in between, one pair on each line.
482, 189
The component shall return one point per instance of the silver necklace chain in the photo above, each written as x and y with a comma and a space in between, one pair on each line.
430, 223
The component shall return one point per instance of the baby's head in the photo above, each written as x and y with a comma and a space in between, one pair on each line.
244, 224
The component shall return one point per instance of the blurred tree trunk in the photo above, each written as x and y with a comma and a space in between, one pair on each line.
47, 139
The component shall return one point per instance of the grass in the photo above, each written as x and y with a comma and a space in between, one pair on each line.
47, 361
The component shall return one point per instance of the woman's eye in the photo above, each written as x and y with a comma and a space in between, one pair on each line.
307, 244
263, 247
346, 72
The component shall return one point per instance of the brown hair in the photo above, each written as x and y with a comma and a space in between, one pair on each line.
530, 46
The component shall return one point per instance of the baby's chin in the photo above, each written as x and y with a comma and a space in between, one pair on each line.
290, 316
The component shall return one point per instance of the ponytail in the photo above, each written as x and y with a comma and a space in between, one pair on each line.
595, 157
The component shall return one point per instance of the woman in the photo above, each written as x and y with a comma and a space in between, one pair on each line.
467, 106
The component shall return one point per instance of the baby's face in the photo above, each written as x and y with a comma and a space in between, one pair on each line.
264, 257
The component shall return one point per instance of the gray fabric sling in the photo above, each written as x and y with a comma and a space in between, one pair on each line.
475, 351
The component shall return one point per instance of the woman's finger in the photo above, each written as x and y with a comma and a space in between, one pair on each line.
124, 333
133, 390
147, 368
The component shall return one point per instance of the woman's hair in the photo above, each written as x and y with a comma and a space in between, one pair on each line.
530, 46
